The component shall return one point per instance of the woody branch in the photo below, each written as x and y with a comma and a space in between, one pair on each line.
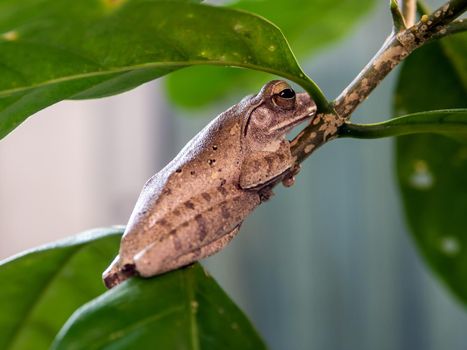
401, 42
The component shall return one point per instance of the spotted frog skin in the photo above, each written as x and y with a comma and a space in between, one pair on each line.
195, 205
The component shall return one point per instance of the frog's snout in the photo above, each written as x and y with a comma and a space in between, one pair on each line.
306, 104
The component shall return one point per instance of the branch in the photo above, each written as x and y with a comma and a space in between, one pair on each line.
397, 47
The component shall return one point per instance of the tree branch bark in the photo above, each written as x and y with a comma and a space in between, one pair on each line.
396, 48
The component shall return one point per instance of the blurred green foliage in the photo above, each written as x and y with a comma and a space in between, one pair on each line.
432, 169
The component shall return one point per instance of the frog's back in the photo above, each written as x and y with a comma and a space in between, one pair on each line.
198, 180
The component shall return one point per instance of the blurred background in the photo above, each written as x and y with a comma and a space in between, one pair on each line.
327, 264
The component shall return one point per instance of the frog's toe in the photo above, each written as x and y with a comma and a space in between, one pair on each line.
111, 280
116, 273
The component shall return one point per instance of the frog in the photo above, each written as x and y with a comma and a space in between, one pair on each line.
196, 204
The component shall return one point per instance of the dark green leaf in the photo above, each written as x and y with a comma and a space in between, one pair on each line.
309, 26
41, 288
432, 169
183, 309
54, 50
455, 48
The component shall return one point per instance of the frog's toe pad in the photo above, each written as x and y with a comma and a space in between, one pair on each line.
113, 278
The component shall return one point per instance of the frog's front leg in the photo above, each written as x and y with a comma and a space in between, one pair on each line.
263, 168
146, 268
289, 178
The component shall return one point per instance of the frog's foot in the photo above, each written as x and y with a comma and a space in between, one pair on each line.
265, 193
289, 178
146, 268
115, 274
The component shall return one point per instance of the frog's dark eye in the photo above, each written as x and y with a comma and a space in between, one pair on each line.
285, 98
287, 93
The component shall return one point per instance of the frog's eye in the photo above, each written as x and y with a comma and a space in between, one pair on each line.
285, 98
287, 93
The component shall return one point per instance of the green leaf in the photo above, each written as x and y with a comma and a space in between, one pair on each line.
54, 50
309, 26
183, 309
448, 122
432, 169
41, 288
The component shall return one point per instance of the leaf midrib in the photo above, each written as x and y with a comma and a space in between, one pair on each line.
190, 299
125, 69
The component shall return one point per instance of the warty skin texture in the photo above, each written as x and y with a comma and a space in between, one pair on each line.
195, 205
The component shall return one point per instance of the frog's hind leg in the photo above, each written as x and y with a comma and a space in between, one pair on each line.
146, 269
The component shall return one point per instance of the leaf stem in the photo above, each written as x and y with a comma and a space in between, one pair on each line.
440, 122
396, 48
455, 27
409, 9
322, 103
397, 18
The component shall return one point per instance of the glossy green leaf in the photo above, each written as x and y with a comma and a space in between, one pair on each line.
53, 50
432, 169
448, 122
183, 309
41, 288
309, 26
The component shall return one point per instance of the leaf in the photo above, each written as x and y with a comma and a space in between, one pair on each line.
432, 169
41, 288
448, 122
183, 309
309, 26
54, 50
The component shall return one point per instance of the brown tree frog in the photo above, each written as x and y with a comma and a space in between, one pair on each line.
195, 205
